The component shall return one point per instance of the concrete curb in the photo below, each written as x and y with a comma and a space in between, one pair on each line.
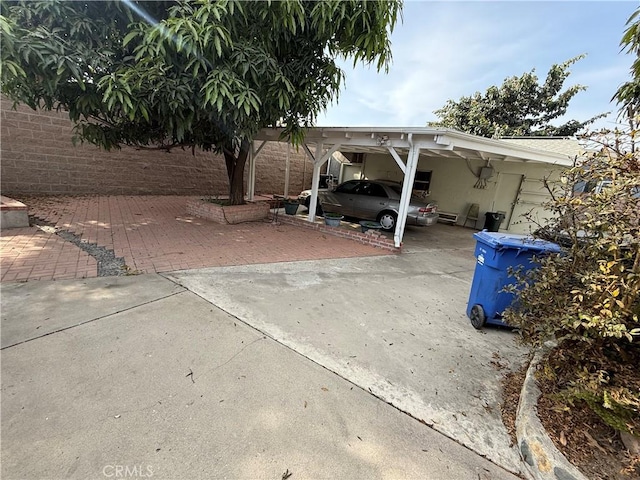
542, 460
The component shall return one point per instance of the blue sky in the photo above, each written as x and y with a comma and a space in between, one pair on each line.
444, 50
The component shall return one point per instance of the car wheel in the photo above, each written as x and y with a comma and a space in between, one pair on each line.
388, 221
307, 202
319, 210
477, 317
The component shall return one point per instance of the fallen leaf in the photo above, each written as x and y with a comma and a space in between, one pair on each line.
563, 439
324, 389
594, 443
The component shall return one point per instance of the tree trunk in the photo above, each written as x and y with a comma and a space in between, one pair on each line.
235, 172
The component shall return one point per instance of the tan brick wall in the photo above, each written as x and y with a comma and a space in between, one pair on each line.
271, 165
37, 156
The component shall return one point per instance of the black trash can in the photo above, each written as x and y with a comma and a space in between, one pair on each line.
492, 221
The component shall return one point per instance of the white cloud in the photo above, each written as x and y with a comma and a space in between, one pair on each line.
433, 61
444, 51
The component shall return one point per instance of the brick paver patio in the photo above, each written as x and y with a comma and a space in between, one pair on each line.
153, 234
31, 254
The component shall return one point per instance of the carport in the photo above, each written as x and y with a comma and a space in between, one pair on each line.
405, 146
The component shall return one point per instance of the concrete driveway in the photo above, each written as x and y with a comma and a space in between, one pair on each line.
314, 368
395, 326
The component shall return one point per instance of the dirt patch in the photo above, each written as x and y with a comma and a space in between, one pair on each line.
588, 443
584, 439
511, 387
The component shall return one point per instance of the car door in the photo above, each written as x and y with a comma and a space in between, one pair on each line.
341, 199
370, 199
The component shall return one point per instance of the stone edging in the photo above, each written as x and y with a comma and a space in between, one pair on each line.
542, 460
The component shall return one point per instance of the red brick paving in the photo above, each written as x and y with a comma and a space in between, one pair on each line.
31, 254
154, 234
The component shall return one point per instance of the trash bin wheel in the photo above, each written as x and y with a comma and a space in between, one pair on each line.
478, 317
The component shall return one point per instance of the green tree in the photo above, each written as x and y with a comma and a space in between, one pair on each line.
520, 106
207, 74
628, 95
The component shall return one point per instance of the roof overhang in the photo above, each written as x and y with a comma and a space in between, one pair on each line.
437, 142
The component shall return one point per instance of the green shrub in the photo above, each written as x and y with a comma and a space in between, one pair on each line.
587, 298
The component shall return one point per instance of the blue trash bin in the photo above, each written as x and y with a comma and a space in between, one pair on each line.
495, 253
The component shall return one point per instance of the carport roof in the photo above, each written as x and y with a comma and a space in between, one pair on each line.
411, 142
437, 142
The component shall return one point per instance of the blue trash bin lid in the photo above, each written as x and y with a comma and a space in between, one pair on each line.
499, 240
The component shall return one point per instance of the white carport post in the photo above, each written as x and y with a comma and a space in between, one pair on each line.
407, 188
253, 154
318, 159
287, 168
315, 179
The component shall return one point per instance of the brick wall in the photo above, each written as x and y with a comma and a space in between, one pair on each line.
250, 212
271, 165
370, 237
37, 156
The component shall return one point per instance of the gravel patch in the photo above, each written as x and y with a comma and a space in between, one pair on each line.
108, 264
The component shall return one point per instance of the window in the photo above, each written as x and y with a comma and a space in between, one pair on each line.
376, 190
370, 189
362, 188
348, 187
590, 186
422, 182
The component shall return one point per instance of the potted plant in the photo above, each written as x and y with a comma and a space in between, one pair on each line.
332, 219
369, 225
290, 206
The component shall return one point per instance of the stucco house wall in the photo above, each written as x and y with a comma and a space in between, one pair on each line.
452, 187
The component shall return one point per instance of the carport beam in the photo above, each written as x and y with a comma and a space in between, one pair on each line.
397, 158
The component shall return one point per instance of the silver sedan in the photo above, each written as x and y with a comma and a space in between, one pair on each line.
377, 200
